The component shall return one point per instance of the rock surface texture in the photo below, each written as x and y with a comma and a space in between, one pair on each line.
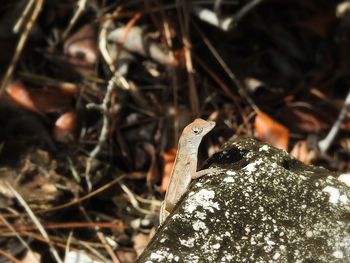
265, 206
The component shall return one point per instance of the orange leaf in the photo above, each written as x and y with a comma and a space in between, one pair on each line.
169, 159
271, 131
19, 94
65, 127
40, 100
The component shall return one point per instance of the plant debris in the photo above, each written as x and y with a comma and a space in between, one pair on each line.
94, 95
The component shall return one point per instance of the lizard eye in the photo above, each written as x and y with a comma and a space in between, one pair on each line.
197, 130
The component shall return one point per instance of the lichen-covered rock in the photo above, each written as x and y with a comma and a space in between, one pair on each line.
264, 207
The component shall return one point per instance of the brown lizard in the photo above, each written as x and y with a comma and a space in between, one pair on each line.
185, 165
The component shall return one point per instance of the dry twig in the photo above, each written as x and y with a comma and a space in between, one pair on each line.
37, 223
104, 109
327, 142
22, 41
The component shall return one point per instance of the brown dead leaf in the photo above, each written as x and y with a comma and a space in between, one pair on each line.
19, 93
153, 172
126, 256
303, 153
40, 101
135, 40
321, 23
169, 159
140, 242
300, 151
82, 45
271, 131
66, 127
305, 118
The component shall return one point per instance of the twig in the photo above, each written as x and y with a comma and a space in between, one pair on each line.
10, 257
81, 6
69, 241
36, 222
243, 11
21, 43
327, 142
184, 25
20, 21
94, 251
9, 226
103, 239
133, 199
73, 202
225, 24
228, 71
104, 109
102, 43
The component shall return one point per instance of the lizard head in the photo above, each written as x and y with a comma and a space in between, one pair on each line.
195, 131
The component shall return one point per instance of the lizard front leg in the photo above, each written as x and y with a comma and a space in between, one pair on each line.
203, 172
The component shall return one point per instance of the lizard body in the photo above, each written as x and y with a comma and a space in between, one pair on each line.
185, 165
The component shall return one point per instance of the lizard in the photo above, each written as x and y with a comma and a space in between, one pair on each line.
185, 166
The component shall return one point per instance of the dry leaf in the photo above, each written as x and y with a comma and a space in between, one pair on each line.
31, 257
321, 24
140, 242
19, 94
65, 127
126, 256
135, 40
300, 151
82, 45
40, 101
169, 159
271, 131
305, 119
153, 172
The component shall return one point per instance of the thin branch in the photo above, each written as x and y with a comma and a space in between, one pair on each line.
227, 23
327, 142
228, 71
133, 200
104, 109
21, 43
36, 222
81, 6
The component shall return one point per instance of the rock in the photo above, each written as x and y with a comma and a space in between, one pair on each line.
265, 206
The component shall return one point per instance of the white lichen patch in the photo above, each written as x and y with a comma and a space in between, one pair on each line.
216, 246
200, 226
203, 198
264, 148
276, 256
274, 165
343, 199
200, 215
345, 178
187, 242
251, 180
252, 167
163, 256
227, 257
230, 172
333, 192
338, 254
229, 179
